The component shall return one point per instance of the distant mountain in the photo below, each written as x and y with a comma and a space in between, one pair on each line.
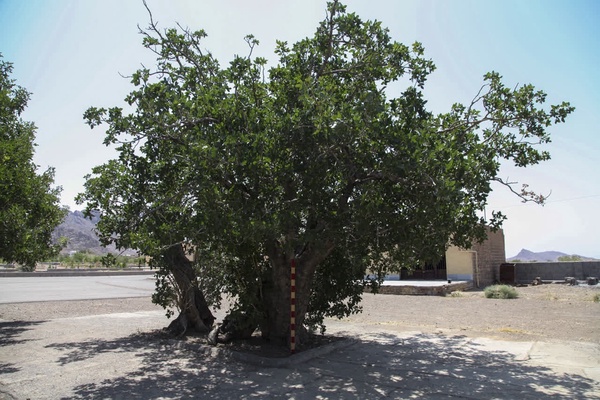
527, 255
81, 235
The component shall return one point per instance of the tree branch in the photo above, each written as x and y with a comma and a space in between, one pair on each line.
525, 195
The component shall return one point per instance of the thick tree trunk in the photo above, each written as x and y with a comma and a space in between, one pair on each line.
194, 311
276, 301
277, 295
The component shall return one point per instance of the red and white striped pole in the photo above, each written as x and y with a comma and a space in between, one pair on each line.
293, 307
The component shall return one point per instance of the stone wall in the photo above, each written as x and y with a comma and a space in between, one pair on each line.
438, 290
556, 271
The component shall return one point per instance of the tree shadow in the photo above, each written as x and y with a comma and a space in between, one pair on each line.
436, 366
379, 366
10, 331
8, 368
5, 395
153, 341
10, 335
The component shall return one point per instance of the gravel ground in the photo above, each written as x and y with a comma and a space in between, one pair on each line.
402, 347
546, 312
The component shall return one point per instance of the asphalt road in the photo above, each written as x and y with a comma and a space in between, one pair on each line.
27, 289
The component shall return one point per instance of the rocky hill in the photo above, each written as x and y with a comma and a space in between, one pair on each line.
544, 256
81, 235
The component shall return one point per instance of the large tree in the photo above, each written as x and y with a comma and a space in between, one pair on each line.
29, 204
311, 160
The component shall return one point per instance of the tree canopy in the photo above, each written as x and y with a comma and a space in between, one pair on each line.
311, 159
29, 204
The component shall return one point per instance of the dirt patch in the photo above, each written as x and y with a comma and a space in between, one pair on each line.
117, 349
545, 312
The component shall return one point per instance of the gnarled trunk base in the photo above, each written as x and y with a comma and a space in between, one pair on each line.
195, 312
232, 328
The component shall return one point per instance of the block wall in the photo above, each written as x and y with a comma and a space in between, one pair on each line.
490, 254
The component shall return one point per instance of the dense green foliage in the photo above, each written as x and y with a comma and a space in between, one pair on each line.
309, 159
500, 292
29, 204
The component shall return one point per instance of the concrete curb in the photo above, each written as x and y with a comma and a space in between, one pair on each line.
292, 360
418, 290
256, 360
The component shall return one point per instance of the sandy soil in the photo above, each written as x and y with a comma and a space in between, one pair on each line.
546, 312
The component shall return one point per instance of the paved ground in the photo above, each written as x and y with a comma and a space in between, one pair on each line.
56, 288
110, 356
51, 288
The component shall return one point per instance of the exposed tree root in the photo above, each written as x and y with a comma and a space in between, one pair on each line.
232, 329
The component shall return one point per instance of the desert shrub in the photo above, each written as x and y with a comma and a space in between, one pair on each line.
596, 298
500, 292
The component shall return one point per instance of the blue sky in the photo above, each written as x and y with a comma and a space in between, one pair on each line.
70, 55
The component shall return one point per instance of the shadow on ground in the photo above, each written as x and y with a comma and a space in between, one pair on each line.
10, 331
378, 366
10, 334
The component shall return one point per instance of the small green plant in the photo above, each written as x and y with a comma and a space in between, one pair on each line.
500, 292
596, 298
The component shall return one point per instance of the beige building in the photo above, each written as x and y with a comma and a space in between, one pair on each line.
480, 264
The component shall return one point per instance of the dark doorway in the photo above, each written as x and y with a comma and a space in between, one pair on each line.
428, 272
